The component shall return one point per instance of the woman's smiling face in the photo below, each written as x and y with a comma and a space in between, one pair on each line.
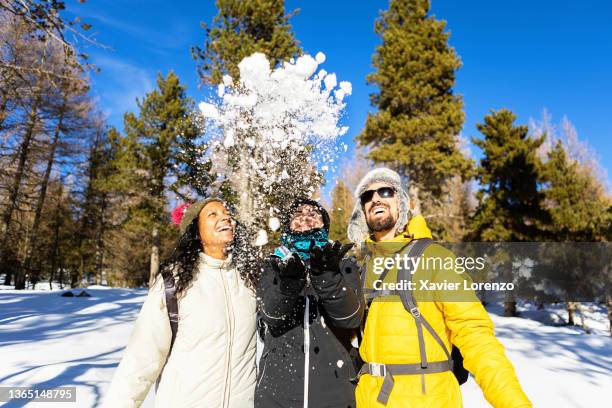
215, 225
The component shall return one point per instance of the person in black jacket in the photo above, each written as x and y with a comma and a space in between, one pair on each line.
310, 309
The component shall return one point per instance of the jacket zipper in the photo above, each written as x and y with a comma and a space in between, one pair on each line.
306, 349
229, 316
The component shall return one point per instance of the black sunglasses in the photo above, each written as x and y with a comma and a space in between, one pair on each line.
383, 192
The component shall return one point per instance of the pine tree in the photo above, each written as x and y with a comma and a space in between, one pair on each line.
241, 28
157, 139
124, 180
416, 128
510, 204
340, 211
192, 168
576, 201
579, 210
96, 206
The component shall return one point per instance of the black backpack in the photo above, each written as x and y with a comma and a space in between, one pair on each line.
415, 249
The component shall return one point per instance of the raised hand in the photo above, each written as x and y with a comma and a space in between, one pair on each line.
327, 259
293, 269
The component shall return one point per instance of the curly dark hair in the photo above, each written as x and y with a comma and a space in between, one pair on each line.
184, 258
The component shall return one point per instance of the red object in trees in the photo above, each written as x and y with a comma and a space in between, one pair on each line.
178, 213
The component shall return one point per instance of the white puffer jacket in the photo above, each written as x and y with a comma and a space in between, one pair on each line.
212, 363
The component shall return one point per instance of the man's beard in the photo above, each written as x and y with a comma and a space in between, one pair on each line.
383, 224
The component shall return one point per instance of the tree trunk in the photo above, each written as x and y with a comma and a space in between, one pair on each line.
571, 309
609, 304
76, 275
99, 253
8, 274
60, 265
583, 320
55, 260
3, 112
100, 249
510, 298
51, 275
154, 256
53, 263
43, 193
510, 309
14, 190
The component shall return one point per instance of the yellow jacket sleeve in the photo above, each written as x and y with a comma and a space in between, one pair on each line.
484, 356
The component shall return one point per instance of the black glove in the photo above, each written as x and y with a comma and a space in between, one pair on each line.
293, 268
327, 259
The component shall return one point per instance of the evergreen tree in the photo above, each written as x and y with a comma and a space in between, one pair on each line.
340, 212
510, 204
167, 130
241, 28
95, 215
192, 168
576, 201
580, 211
416, 128
158, 140
124, 182
57, 249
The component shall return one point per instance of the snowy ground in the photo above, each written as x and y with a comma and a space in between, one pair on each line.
49, 341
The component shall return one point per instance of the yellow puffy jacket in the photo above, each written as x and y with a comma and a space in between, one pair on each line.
390, 337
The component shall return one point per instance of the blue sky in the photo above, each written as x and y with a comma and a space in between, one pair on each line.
525, 56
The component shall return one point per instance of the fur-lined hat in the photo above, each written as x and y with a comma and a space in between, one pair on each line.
358, 230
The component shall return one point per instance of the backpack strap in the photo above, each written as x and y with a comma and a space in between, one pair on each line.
171, 304
410, 305
415, 249
409, 301
370, 294
173, 316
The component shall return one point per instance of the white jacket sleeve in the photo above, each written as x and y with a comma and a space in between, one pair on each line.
145, 354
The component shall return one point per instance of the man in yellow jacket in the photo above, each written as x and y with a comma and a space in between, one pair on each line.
397, 371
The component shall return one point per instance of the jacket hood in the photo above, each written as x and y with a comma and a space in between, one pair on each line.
358, 230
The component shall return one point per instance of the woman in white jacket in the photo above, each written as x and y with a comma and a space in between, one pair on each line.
212, 361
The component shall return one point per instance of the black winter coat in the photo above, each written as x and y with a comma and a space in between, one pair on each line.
336, 308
